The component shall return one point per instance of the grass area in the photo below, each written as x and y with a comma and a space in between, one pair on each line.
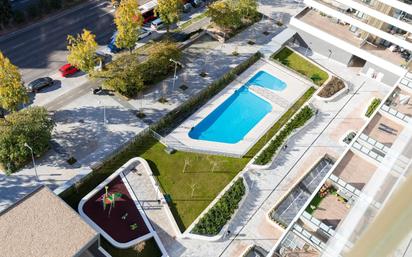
148, 249
203, 175
288, 57
314, 204
207, 174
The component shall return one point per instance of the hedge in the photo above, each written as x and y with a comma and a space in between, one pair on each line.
372, 107
298, 121
176, 116
214, 220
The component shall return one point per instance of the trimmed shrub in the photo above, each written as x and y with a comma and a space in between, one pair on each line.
214, 220
372, 107
332, 87
298, 121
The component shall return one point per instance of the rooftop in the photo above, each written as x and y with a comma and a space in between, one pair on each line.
383, 130
40, 225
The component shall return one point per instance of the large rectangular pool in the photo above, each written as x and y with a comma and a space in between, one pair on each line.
233, 119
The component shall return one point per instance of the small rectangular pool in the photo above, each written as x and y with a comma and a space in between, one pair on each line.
266, 80
233, 119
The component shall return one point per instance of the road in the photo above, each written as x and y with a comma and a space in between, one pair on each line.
40, 49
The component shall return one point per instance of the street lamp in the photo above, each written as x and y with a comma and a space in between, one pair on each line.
32, 158
104, 113
174, 76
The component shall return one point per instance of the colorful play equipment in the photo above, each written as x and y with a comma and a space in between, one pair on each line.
110, 198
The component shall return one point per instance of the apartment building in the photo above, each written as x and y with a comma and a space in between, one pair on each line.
358, 208
374, 35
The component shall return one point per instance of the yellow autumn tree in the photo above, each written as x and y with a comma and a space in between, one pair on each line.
82, 50
128, 20
169, 11
12, 91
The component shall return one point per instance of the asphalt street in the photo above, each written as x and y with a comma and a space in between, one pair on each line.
40, 49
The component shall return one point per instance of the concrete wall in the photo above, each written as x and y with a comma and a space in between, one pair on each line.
388, 77
322, 47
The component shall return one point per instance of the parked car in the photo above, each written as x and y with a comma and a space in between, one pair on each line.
157, 24
143, 33
198, 3
187, 7
112, 44
38, 84
68, 69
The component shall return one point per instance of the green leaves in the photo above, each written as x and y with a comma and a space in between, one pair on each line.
128, 20
128, 76
230, 14
32, 126
169, 11
213, 221
82, 50
296, 122
12, 91
372, 107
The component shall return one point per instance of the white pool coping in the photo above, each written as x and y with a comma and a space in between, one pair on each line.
152, 233
295, 88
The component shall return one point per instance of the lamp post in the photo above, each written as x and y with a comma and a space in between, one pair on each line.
104, 113
32, 158
174, 76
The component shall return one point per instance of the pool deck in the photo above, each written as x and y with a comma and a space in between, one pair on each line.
280, 101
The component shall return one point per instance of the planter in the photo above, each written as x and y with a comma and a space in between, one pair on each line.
188, 234
253, 165
335, 96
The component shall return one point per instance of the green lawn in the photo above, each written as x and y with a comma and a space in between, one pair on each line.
207, 174
296, 62
314, 203
169, 171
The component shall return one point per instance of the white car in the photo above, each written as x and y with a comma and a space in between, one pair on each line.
143, 33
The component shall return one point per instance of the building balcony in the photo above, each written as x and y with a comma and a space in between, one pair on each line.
359, 38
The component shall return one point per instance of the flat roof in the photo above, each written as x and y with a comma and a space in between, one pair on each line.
41, 225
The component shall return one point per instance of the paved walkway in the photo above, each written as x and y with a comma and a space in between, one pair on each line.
251, 225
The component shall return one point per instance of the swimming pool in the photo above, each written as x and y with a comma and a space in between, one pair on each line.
233, 119
266, 80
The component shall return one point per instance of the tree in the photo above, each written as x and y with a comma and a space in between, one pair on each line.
224, 14
12, 91
169, 11
247, 8
32, 126
128, 20
5, 12
82, 50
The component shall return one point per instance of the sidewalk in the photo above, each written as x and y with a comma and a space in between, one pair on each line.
251, 225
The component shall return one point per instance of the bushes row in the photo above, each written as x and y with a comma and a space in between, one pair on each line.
31, 126
372, 107
213, 221
298, 121
176, 116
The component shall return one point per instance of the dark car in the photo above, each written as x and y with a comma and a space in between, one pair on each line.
38, 84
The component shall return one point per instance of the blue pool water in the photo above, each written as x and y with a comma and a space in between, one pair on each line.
264, 79
233, 119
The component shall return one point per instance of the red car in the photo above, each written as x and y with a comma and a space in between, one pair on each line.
68, 69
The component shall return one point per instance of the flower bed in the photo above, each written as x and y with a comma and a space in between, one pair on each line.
213, 221
372, 107
305, 114
331, 88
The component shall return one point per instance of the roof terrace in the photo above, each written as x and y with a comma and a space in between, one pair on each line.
355, 170
383, 130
